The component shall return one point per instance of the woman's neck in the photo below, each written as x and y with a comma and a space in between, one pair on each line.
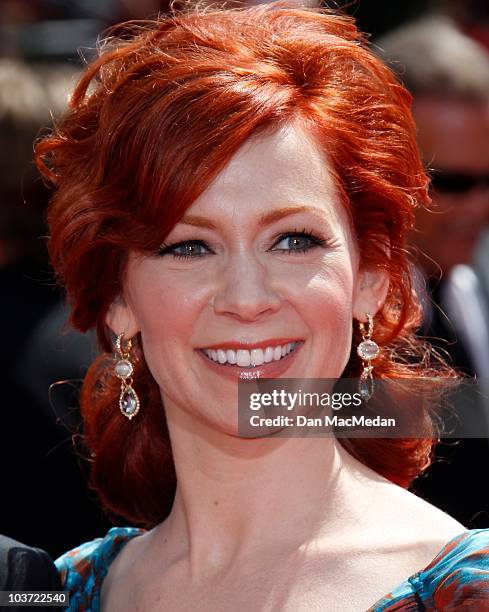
236, 497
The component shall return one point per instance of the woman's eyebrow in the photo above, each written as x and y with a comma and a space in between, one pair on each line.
264, 220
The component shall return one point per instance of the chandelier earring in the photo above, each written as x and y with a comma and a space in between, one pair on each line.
123, 369
367, 350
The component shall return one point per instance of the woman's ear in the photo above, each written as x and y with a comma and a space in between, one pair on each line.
371, 292
121, 319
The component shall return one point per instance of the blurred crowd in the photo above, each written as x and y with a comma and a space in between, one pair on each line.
441, 53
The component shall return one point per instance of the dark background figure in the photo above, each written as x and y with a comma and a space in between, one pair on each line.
46, 502
44, 489
448, 75
23, 568
472, 17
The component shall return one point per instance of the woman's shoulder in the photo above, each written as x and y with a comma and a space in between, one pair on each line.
83, 568
458, 577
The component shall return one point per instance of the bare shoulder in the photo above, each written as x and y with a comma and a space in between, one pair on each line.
416, 520
398, 535
125, 566
395, 519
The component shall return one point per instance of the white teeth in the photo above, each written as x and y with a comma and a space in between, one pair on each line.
243, 358
255, 357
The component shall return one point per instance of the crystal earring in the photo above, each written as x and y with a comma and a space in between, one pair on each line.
128, 399
367, 350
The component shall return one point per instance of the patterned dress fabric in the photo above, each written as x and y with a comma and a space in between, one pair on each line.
456, 579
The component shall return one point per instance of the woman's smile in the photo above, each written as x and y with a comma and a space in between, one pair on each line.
268, 359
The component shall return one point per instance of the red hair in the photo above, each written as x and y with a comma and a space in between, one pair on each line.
151, 123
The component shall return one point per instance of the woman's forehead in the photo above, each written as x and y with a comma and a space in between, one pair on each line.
278, 168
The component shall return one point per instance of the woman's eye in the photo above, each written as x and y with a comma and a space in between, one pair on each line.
185, 250
298, 242
293, 242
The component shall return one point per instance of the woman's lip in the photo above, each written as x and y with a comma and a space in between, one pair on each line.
236, 346
274, 369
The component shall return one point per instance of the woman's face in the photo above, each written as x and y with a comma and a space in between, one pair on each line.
259, 279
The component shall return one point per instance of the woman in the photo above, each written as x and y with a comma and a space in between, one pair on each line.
233, 192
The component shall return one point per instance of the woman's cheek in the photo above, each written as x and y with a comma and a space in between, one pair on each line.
328, 301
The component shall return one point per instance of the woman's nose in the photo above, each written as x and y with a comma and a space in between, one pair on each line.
245, 290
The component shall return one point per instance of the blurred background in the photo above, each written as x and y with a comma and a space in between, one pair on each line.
440, 50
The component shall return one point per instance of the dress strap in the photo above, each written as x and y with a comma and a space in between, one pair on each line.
83, 569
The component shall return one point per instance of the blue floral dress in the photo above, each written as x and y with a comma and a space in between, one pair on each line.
456, 579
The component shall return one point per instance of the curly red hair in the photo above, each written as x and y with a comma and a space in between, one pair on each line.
151, 123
